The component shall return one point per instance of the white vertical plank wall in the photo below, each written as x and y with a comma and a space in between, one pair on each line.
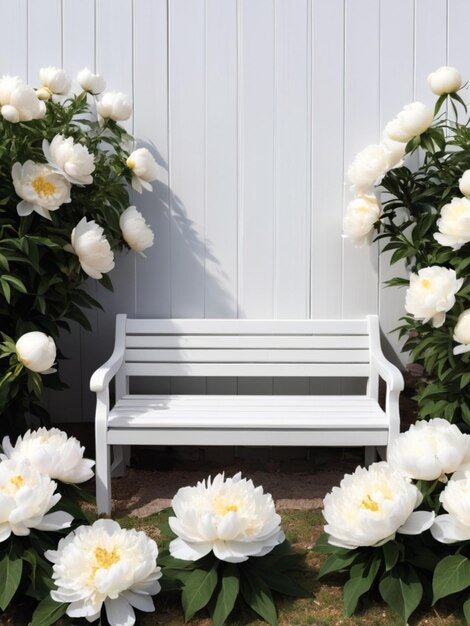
253, 110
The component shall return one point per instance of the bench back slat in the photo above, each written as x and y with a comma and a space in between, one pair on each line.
310, 342
227, 347
223, 356
361, 370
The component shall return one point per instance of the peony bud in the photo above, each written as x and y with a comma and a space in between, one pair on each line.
10, 113
54, 80
445, 80
462, 333
464, 183
114, 106
92, 248
93, 83
36, 351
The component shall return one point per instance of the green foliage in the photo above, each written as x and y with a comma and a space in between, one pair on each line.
400, 571
412, 201
219, 585
41, 279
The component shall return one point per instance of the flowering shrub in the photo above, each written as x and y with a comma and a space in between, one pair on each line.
387, 530
229, 546
424, 218
65, 170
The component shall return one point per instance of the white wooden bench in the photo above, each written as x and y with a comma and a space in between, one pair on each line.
284, 348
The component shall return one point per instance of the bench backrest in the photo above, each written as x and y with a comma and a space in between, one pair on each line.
215, 347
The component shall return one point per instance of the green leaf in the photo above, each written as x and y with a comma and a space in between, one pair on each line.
465, 380
337, 562
466, 610
16, 282
284, 584
452, 574
402, 590
227, 595
48, 612
257, 595
198, 590
391, 553
362, 578
11, 568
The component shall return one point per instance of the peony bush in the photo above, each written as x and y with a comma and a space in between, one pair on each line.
421, 215
401, 528
66, 171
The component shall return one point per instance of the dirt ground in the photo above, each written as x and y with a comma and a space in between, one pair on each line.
145, 491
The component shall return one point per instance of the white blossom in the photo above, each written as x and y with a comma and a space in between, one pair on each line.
432, 293
92, 248
70, 159
371, 505
229, 517
36, 351
135, 231
105, 564
51, 452
41, 188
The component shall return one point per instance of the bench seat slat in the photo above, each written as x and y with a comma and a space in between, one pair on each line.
165, 413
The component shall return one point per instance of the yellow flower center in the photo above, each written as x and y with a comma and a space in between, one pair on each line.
17, 481
43, 187
221, 507
105, 559
425, 283
369, 504
130, 163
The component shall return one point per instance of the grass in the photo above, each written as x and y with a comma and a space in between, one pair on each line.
322, 608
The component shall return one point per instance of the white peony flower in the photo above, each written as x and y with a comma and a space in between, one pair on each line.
454, 224
135, 231
432, 293
462, 333
413, 120
396, 151
429, 450
51, 452
229, 516
445, 80
371, 505
93, 83
144, 169
26, 496
70, 159
105, 564
18, 101
36, 351
92, 248
53, 81
114, 106
464, 183
368, 167
40, 187
358, 222
454, 526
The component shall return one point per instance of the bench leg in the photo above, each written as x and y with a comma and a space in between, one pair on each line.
103, 479
370, 455
121, 461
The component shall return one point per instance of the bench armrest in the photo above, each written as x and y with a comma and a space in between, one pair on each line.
104, 374
388, 372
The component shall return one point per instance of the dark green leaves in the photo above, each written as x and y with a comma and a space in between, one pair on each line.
362, 576
48, 612
452, 574
218, 585
402, 590
11, 568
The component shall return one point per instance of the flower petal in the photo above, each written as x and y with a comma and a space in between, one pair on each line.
119, 612
179, 549
446, 529
417, 523
55, 521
